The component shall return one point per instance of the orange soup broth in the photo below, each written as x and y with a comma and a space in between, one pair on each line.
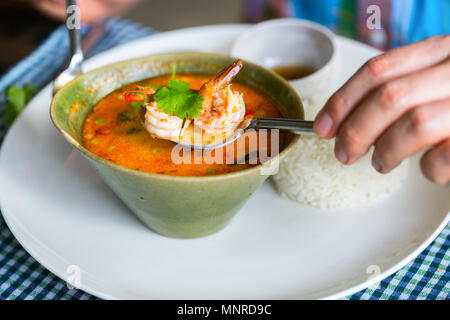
114, 132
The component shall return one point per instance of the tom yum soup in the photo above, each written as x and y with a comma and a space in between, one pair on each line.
175, 108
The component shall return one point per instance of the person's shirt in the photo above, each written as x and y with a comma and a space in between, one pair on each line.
381, 23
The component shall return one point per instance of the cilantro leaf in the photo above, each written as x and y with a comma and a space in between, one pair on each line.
17, 98
178, 100
30, 91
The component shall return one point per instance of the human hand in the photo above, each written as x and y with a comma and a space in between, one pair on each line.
91, 11
398, 102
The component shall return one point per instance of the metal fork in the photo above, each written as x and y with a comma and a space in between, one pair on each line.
76, 60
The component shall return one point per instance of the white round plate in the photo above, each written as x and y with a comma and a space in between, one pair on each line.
63, 215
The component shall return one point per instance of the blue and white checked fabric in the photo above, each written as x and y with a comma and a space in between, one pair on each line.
22, 277
42, 66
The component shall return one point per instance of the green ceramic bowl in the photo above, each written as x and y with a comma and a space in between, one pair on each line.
182, 207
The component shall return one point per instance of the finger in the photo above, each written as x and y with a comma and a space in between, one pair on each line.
53, 8
419, 128
435, 164
387, 104
376, 71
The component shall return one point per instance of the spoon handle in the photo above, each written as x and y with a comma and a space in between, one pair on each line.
75, 42
289, 125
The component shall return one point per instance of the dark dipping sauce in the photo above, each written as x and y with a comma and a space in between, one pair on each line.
292, 72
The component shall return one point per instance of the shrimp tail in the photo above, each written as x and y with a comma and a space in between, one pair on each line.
221, 79
225, 76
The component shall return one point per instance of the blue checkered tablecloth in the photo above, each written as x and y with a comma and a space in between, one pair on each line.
22, 277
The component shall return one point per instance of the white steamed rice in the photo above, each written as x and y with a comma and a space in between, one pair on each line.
311, 175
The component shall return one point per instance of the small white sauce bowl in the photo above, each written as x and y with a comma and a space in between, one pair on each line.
290, 41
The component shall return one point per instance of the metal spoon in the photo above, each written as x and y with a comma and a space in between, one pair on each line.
74, 68
294, 126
